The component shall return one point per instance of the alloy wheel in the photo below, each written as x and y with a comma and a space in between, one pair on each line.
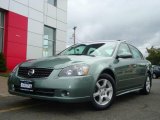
148, 84
154, 75
104, 92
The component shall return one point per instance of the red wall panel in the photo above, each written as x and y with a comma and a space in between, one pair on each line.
13, 61
17, 50
18, 35
15, 39
17, 21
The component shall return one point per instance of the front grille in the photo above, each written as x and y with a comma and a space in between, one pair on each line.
37, 91
38, 72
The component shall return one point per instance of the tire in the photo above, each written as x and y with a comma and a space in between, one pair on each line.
154, 76
147, 86
104, 92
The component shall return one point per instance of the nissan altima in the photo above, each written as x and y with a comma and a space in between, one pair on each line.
94, 72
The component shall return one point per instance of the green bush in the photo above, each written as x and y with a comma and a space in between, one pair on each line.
154, 55
3, 67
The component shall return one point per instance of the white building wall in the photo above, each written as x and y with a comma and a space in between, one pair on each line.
56, 17
40, 13
4, 5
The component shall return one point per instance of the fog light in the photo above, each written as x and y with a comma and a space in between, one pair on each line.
64, 93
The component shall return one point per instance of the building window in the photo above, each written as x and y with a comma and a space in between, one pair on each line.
53, 2
1, 30
49, 41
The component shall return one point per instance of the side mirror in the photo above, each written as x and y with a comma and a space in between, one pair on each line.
124, 56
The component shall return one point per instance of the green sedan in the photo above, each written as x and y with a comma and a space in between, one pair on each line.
94, 72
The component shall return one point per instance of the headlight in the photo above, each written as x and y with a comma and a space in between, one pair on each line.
15, 69
75, 70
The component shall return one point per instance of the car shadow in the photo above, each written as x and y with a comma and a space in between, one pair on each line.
67, 108
127, 97
58, 107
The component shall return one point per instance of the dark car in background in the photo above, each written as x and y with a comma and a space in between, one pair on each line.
156, 71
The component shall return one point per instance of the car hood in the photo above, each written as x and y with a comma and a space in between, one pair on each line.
58, 62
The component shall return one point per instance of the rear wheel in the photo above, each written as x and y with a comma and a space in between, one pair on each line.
104, 92
147, 86
154, 76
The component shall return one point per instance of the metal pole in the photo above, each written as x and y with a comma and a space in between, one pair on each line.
74, 34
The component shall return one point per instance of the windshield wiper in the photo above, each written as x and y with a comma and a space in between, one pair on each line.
91, 55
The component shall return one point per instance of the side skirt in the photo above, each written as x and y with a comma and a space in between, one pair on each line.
129, 91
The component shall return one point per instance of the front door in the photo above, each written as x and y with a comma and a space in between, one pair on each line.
125, 69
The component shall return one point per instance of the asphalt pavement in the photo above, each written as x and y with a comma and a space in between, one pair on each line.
127, 107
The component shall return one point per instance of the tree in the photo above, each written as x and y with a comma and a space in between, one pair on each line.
154, 55
3, 67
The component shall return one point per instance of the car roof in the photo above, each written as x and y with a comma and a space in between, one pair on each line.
101, 41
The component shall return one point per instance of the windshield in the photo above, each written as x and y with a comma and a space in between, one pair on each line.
99, 49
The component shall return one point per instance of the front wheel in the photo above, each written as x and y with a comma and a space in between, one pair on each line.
147, 86
104, 92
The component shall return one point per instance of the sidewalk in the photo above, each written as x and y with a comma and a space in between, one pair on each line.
3, 87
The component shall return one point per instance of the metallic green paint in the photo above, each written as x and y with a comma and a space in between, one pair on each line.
129, 74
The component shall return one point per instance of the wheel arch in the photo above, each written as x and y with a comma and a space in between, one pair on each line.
150, 74
110, 72
101, 70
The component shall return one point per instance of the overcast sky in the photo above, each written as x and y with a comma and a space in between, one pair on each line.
136, 21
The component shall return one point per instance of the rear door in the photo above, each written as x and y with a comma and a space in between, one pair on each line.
140, 65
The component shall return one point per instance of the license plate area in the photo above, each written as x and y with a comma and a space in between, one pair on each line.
26, 85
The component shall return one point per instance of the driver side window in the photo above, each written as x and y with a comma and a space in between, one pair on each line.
90, 51
124, 49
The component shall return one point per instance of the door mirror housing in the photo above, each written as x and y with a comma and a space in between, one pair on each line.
124, 56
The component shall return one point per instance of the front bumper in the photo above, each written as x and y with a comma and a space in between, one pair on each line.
60, 99
65, 89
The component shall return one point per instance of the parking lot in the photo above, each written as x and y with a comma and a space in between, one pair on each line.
127, 107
